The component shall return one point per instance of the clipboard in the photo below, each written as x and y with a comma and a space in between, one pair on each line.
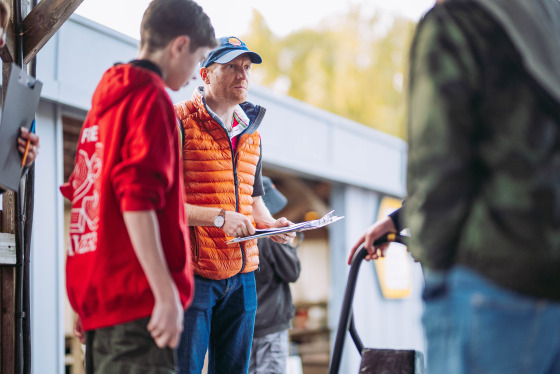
22, 98
327, 219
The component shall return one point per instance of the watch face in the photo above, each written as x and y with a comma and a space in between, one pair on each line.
218, 221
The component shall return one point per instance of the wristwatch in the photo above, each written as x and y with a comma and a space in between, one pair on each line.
220, 219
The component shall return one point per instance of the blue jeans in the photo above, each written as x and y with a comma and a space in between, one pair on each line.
221, 319
475, 326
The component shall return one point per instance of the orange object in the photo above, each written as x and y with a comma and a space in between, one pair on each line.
24, 159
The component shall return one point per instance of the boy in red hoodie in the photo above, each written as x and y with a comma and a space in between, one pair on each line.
128, 271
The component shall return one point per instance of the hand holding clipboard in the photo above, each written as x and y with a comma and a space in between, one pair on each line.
22, 98
28, 145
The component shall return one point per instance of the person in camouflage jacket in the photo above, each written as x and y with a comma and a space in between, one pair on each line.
483, 203
484, 191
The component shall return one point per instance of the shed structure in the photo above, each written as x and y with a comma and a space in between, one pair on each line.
301, 144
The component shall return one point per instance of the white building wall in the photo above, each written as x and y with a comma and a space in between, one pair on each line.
47, 257
297, 136
73, 61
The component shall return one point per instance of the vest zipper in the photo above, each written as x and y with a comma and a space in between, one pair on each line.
196, 254
235, 159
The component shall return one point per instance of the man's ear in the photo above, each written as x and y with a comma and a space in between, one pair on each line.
204, 75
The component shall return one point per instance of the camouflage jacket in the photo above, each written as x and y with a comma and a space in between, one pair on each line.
484, 154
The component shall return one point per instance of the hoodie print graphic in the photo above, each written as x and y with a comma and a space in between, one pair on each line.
85, 181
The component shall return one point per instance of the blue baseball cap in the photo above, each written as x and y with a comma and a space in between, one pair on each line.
228, 49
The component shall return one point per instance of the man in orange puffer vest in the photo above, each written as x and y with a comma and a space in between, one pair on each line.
223, 194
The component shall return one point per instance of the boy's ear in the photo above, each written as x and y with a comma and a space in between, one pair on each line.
180, 44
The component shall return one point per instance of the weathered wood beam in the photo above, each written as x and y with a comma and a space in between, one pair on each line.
43, 22
7, 249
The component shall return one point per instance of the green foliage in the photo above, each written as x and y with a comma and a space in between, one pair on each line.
352, 65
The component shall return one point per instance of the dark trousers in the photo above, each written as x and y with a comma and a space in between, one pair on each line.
127, 348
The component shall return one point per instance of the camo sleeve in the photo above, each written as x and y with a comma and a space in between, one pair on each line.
441, 178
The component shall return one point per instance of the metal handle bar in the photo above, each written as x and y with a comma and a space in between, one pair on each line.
346, 320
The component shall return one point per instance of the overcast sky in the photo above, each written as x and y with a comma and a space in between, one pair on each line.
232, 17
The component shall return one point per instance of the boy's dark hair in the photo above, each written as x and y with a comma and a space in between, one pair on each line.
164, 20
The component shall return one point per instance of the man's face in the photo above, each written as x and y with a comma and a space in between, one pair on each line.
229, 82
183, 66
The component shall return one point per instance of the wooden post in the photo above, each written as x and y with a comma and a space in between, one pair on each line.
7, 273
9, 225
7, 288
7, 312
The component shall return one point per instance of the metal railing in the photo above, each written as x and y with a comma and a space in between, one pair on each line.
346, 321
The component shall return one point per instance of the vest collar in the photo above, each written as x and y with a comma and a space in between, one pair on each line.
253, 114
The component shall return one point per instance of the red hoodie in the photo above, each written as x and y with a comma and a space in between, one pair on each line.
128, 159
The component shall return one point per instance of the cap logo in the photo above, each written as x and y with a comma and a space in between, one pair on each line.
234, 41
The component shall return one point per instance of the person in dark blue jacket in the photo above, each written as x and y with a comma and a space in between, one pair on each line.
279, 265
